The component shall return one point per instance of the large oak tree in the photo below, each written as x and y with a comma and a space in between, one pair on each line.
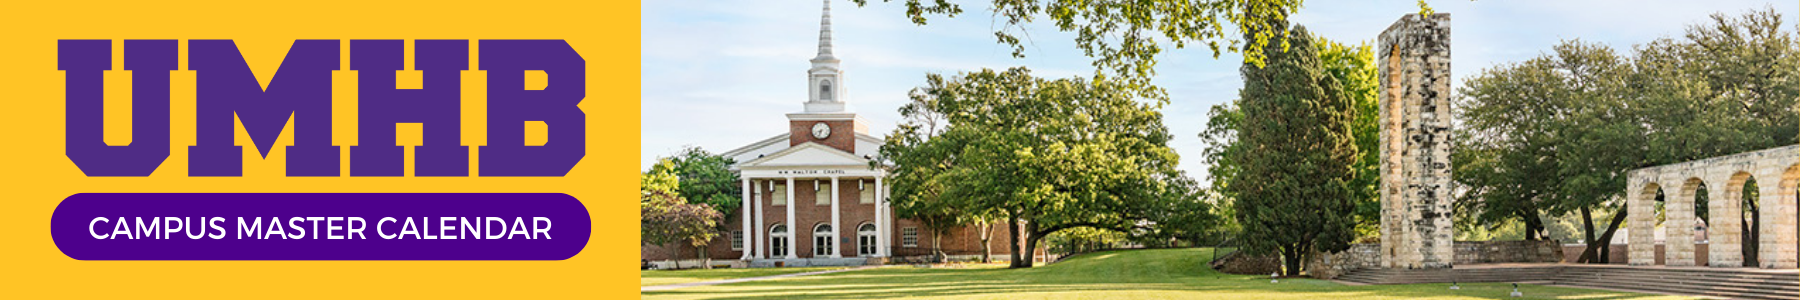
1043, 155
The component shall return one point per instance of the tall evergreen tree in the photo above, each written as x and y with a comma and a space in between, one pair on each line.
1292, 184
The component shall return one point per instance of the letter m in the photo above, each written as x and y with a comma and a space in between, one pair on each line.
301, 88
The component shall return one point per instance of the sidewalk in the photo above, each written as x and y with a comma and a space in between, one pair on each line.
747, 279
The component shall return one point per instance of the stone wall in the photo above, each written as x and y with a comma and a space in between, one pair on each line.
1238, 263
1508, 252
1414, 64
1365, 256
1332, 265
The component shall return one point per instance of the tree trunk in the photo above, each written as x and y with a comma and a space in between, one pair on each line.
937, 247
1291, 256
675, 259
1534, 226
1587, 237
1012, 227
987, 248
1031, 242
700, 254
1591, 254
1751, 235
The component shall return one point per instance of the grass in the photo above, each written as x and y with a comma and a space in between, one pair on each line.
662, 277
1138, 274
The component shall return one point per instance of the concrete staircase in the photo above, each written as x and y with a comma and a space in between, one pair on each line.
1732, 283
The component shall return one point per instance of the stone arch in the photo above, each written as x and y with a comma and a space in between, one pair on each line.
1654, 193
1737, 221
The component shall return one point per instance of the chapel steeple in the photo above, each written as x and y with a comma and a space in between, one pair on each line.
826, 77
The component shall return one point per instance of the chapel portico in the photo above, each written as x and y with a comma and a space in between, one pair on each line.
807, 201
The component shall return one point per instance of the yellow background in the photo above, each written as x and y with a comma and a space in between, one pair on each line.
35, 175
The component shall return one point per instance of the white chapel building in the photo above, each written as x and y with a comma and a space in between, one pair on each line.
810, 195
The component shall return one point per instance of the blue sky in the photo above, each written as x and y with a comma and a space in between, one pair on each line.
720, 74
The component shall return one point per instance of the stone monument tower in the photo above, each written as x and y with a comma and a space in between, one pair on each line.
1414, 66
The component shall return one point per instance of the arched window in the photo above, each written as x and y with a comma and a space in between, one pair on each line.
778, 238
823, 240
825, 89
865, 240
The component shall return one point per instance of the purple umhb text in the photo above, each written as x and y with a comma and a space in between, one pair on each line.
302, 89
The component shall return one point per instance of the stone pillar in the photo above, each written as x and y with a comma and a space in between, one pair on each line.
1414, 64
882, 227
1724, 249
1776, 249
744, 213
793, 246
761, 228
837, 232
1679, 225
1640, 203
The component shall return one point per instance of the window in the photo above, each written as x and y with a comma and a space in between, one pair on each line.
778, 238
865, 240
909, 237
825, 89
821, 192
868, 192
737, 240
780, 195
824, 239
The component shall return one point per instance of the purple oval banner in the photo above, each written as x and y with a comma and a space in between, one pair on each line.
304, 226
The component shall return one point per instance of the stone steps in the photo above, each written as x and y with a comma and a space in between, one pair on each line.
1711, 282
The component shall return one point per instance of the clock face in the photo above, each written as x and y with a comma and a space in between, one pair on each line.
820, 130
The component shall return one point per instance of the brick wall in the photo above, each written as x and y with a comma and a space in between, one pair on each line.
843, 134
853, 213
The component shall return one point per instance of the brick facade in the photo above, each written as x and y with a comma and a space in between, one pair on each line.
853, 213
843, 134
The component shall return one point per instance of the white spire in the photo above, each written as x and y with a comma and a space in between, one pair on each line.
825, 35
826, 77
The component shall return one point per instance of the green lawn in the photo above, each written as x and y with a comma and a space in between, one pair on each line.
662, 277
1140, 274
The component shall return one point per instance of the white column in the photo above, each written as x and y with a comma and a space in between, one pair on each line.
882, 227
745, 210
793, 228
836, 230
762, 233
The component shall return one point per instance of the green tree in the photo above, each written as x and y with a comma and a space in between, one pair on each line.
1553, 135
706, 178
1292, 184
1187, 213
665, 218
924, 157
1043, 155
1125, 37
1354, 67
1519, 122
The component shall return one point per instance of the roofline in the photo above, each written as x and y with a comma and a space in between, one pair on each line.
797, 148
756, 145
